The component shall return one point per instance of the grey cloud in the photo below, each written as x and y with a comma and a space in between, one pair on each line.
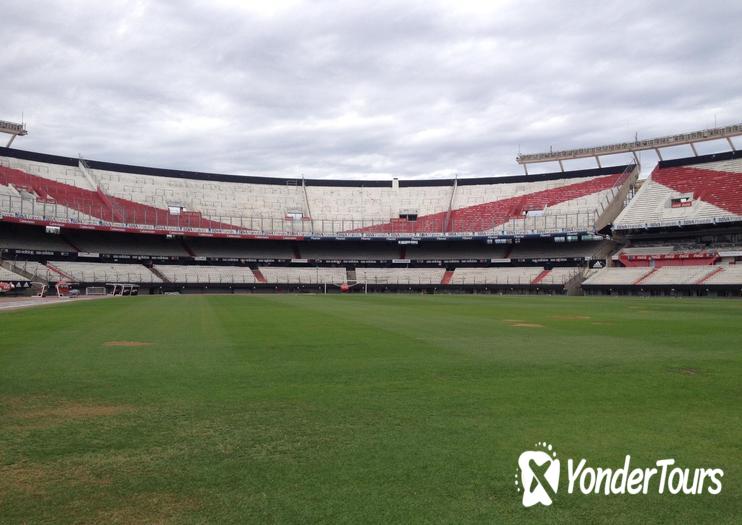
363, 89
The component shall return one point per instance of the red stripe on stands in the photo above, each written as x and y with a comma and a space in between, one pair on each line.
98, 205
485, 216
720, 188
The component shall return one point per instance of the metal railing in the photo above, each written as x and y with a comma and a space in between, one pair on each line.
99, 216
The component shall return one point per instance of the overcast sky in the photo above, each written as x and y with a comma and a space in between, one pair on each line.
363, 89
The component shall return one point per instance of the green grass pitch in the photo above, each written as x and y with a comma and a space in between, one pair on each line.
360, 409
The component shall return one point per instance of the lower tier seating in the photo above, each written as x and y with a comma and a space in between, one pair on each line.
400, 275
617, 276
37, 271
105, 272
7, 275
726, 275
667, 275
276, 274
206, 274
507, 275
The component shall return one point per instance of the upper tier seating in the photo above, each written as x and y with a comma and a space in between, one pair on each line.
128, 244
128, 197
233, 249
565, 205
356, 251
697, 193
32, 239
47, 197
105, 272
448, 250
555, 250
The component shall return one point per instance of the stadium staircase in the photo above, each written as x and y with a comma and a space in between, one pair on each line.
187, 248
350, 275
258, 275
447, 277
645, 276
8, 265
573, 286
104, 198
68, 241
159, 274
709, 276
60, 272
540, 277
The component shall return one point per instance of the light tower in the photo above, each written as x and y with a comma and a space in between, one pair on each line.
13, 129
656, 144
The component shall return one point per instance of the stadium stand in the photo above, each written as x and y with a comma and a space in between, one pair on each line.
686, 192
316, 275
173, 230
8, 276
35, 271
551, 250
130, 244
617, 276
560, 275
28, 238
403, 276
344, 251
206, 274
234, 249
496, 276
725, 275
456, 251
104, 193
672, 275
86, 272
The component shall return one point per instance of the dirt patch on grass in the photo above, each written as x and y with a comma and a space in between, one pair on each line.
149, 508
35, 479
127, 344
528, 325
571, 317
602, 323
37, 413
686, 371
74, 411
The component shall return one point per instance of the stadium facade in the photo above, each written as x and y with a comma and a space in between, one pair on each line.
596, 231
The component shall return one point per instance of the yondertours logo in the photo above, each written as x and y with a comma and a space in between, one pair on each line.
539, 470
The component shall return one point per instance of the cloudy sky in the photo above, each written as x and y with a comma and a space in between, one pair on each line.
363, 89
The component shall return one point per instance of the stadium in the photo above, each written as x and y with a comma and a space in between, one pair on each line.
431, 262
121, 228
348, 308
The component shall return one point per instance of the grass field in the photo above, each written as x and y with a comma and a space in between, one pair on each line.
360, 409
